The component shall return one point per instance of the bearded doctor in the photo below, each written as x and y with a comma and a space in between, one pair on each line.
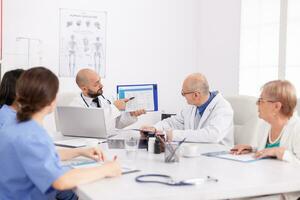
91, 96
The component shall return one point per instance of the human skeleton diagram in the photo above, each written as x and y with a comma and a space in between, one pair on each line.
86, 47
98, 54
72, 45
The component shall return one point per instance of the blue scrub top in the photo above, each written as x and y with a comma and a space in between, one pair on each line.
7, 115
29, 162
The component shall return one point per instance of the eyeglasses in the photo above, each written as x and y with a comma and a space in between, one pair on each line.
185, 93
260, 100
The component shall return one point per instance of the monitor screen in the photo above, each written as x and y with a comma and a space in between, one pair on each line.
143, 96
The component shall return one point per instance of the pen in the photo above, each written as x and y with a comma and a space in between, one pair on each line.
173, 151
131, 98
131, 171
104, 141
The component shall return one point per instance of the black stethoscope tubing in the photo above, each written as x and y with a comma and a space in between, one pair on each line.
88, 104
169, 180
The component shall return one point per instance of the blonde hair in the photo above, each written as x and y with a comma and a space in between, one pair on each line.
284, 92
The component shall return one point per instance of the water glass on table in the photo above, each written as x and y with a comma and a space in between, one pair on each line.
131, 146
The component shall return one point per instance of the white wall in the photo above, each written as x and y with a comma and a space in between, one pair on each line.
148, 41
219, 31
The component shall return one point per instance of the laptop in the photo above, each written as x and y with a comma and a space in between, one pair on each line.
81, 122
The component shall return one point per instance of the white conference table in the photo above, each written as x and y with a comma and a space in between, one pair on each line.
235, 179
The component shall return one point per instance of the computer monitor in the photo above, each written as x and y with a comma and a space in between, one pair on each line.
145, 96
81, 122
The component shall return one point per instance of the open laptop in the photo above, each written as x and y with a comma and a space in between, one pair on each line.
81, 122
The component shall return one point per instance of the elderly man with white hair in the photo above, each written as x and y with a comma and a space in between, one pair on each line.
208, 117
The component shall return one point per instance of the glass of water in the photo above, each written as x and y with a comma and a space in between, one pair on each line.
131, 146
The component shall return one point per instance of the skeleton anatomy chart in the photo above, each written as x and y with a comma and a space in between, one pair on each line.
82, 41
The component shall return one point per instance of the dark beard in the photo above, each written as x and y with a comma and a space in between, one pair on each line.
94, 94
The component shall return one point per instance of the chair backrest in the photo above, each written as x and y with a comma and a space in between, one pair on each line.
64, 99
298, 107
245, 118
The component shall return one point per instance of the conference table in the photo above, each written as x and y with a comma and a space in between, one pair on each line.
235, 179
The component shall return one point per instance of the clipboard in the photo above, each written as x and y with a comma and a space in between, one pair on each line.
91, 163
244, 158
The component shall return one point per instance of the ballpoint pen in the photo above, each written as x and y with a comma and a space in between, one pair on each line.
131, 98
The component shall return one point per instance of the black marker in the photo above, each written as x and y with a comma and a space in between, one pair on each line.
131, 98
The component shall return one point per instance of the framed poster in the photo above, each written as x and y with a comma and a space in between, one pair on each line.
82, 41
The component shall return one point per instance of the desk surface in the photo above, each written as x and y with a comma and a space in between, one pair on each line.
235, 179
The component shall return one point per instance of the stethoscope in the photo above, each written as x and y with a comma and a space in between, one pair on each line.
168, 180
89, 105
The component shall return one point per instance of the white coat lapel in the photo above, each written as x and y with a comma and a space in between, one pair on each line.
205, 115
286, 130
208, 110
192, 120
262, 135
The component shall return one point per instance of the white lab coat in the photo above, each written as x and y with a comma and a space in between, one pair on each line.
215, 126
114, 118
290, 138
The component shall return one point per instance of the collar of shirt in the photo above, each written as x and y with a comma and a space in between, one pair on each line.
8, 108
202, 108
88, 100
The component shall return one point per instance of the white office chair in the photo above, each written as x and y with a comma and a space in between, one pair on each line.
298, 107
245, 118
64, 99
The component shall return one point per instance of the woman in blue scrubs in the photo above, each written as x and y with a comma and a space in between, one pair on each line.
7, 96
30, 166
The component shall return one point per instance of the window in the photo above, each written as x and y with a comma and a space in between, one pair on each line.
270, 43
293, 44
259, 45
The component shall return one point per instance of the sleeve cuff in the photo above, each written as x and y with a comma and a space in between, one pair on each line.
287, 156
177, 135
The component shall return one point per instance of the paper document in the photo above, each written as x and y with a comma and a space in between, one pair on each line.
143, 96
227, 155
142, 100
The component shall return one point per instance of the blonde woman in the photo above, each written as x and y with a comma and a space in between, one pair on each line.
280, 136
